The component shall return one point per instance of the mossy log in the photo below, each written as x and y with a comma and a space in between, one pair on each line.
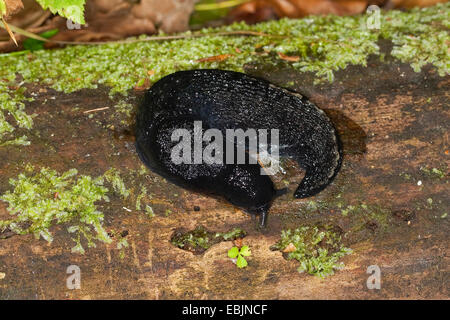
390, 200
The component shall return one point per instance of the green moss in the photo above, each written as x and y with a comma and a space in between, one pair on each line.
45, 198
125, 109
122, 242
363, 213
143, 195
140, 196
20, 141
405, 175
143, 170
136, 194
317, 249
200, 239
420, 37
434, 173
121, 245
41, 199
113, 177
149, 211
324, 44
357, 213
231, 235
11, 105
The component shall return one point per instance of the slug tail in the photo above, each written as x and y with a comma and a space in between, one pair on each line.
310, 186
321, 172
317, 180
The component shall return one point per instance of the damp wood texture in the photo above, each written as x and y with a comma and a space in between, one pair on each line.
390, 200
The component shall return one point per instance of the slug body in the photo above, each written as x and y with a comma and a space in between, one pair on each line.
231, 100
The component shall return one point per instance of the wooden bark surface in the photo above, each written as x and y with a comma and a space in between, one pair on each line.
392, 122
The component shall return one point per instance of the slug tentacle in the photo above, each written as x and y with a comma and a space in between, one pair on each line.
224, 100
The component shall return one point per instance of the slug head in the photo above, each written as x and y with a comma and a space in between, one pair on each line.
245, 187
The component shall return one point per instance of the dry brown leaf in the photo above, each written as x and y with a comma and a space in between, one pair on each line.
258, 10
252, 12
288, 58
290, 248
413, 3
12, 7
239, 242
144, 86
217, 58
11, 34
261, 10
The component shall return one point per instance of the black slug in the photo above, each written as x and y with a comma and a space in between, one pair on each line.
231, 100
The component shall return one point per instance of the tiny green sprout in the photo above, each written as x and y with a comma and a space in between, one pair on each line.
234, 253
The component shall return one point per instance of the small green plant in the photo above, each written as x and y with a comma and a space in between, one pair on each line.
235, 253
317, 249
70, 9
434, 173
122, 243
41, 199
113, 177
200, 239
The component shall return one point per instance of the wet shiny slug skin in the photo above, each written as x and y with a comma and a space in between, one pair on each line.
232, 100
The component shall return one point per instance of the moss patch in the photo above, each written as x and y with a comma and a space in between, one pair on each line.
323, 45
12, 114
435, 173
41, 199
200, 239
318, 249
113, 177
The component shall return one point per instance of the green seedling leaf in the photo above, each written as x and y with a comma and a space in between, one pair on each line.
240, 254
233, 252
241, 262
245, 251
